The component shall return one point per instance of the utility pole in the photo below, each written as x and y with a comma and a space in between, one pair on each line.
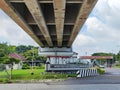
11, 67
32, 72
32, 58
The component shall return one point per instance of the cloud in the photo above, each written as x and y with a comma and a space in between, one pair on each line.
102, 29
83, 40
100, 33
12, 33
108, 11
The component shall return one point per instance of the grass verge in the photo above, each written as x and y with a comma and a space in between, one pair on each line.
38, 74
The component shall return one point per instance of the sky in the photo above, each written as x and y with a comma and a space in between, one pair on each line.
100, 33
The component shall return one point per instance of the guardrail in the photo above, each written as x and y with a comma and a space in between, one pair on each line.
64, 67
69, 66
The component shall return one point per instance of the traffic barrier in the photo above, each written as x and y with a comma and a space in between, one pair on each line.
86, 72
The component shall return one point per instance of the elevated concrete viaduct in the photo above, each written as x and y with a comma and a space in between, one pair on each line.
51, 23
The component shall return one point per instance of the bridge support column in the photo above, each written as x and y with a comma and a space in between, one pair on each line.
57, 57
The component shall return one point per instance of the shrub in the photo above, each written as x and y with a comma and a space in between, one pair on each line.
25, 66
72, 75
1, 80
36, 67
42, 66
100, 71
4, 80
49, 76
118, 65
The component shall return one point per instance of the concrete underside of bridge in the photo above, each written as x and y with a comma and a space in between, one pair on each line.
51, 23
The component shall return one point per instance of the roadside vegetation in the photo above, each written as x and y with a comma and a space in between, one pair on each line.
27, 72
117, 65
100, 71
36, 72
27, 51
25, 75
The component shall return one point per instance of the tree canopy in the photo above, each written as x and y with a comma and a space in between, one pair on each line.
102, 54
29, 52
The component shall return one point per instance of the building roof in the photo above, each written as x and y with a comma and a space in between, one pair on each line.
96, 57
17, 56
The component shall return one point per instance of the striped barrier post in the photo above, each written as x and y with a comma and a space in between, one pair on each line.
85, 72
84, 75
78, 73
96, 72
82, 72
90, 72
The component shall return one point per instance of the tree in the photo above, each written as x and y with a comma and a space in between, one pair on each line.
29, 55
8, 60
12, 48
33, 55
102, 54
30, 52
3, 49
23, 48
118, 56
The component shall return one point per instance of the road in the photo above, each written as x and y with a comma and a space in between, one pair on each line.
59, 87
112, 76
108, 81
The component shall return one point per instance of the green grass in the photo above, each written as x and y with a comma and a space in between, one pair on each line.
22, 74
38, 74
117, 66
26, 74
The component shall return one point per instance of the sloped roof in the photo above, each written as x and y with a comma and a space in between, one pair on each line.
17, 56
96, 57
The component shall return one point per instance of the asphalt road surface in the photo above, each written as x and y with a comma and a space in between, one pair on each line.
59, 87
109, 81
112, 76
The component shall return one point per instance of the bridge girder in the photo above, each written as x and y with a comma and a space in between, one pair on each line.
51, 23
